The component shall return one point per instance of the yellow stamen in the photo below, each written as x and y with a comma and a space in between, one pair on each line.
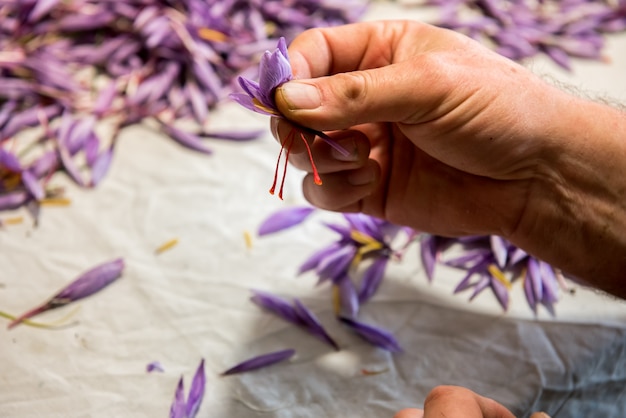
59, 323
369, 245
166, 246
55, 201
13, 221
499, 275
336, 299
264, 108
247, 236
212, 35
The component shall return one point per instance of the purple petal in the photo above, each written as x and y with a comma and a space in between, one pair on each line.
13, 200
31, 183
101, 166
374, 335
529, 292
336, 265
429, 255
234, 136
317, 257
91, 148
177, 410
92, 281
501, 292
196, 393
247, 102
154, 366
260, 361
9, 161
277, 305
312, 324
284, 219
481, 285
70, 167
349, 302
186, 139
499, 246
372, 278
535, 275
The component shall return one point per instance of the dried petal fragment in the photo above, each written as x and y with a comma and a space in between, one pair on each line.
261, 361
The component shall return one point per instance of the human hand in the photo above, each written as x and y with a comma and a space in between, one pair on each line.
458, 402
450, 138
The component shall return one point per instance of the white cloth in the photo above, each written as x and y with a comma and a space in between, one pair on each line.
192, 302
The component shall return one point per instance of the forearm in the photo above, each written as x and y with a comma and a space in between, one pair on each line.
576, 212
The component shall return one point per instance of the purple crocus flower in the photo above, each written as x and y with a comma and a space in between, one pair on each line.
275, 70
261, 361
85, 285
189, 408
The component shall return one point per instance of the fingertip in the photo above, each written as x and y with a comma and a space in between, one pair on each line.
410, 413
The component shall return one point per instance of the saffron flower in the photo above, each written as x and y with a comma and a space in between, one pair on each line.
261, 361
275, 70
85, 285
189, 408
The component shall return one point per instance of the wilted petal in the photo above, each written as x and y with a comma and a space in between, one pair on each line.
481, 285
529, 292
177, 410
312, 324
260, 361
85, 285
374, 335
372, 277
196, 393
284, 219
276, 304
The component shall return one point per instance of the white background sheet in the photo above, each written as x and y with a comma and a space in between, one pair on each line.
192, 301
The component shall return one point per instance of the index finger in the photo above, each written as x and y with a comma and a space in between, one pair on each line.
359, 46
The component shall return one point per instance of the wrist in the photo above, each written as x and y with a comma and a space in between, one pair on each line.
575, 216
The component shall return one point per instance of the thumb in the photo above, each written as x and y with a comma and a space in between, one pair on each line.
340, 101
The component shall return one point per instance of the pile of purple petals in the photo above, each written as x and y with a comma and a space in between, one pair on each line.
520, 29
72, 66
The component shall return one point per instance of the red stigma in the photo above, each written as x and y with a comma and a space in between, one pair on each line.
288, 143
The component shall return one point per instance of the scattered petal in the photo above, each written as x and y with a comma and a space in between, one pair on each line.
261, 361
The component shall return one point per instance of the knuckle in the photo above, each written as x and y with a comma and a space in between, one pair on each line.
445, 393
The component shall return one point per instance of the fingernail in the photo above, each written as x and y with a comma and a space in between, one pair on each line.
349, 145
300, 95
540, 415
362, 176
